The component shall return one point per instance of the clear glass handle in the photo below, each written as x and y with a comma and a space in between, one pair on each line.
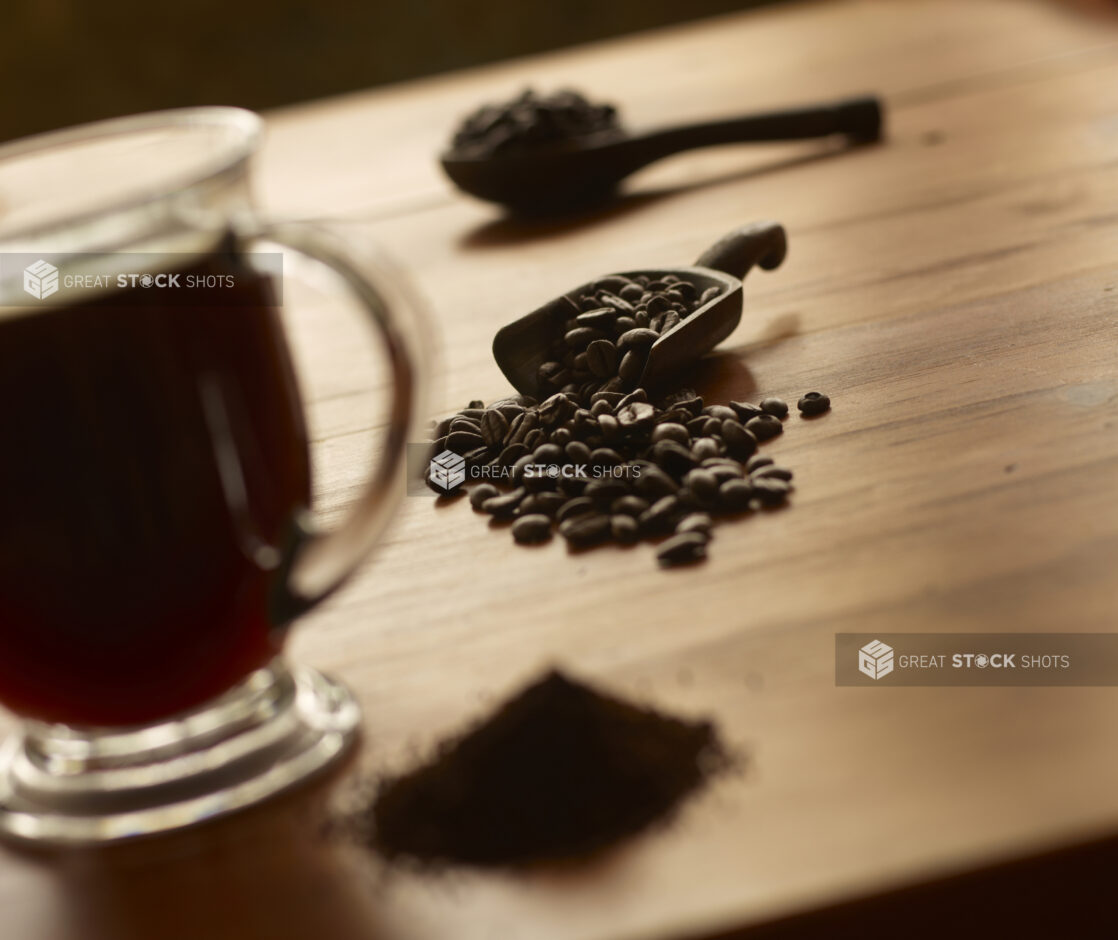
316, 562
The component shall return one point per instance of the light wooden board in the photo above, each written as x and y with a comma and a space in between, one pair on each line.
954, 291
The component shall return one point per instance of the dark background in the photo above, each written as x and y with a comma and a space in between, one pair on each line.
63, 62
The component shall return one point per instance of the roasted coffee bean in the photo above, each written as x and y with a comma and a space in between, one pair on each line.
582, 336
764, 426
534, 438
711, 293
631, 292
494, 427
657, 303
697, 424
772, 473
511, 454
623, 325
605, 490
724, 472
547, 503
654, 483
757, 462
624, 529
585, 530
776, 407
704, 448
477, 457
601, 358
606, 457
628, 505
637, 339
660, 516
578, 453
712, 427
721, 412
574, 507
610, 398
555, 409
632, 364
739, 442
480, 493
518, 468
734, 495
695, 522
770, 492
603, 318
813, 403
547, 375
520, 427
683, 549
461, 441
617, 303
610, 426
638, 414
601, 407
531, 528
671, 432
745, 410
673, 457
561, 436
504, 507
636, 395
703, 485
474, 412
641, 319
671, 320
458, 423
580, 365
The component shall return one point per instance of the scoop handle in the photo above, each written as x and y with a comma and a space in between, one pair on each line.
763, 243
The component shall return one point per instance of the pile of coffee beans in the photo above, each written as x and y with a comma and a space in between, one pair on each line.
530, 121
605, 465
602, 340
558, 771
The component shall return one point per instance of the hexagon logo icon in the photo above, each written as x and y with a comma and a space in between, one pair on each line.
875, 659
40, 279
447, 470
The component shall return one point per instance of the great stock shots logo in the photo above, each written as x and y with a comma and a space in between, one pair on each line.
40, 279
875, 659
447, 470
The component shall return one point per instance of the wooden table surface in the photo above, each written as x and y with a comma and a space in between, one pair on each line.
953, 289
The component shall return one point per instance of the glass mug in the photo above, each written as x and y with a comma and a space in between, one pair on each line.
155, 535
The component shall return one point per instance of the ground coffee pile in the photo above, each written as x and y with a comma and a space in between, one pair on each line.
558, 771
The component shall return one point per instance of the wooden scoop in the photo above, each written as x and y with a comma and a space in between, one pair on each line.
524, 345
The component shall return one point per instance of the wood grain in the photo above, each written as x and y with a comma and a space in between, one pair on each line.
953, 289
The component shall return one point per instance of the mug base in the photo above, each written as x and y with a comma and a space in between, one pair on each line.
279, 727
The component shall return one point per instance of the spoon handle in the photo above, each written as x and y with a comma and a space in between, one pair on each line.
859, 118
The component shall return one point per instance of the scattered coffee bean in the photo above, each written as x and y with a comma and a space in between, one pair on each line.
739, 442
548, 503
770, 492
531, 528
660, 516
776, 407
734, 495
705, 448
504, 507
574, 507
586, 529
745, 410
683, 549
721, 412
624, 528
758, 461
601, 358
813, 403
628, 506
772, 473
480, 493
671, 432
764, 426
695, 522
